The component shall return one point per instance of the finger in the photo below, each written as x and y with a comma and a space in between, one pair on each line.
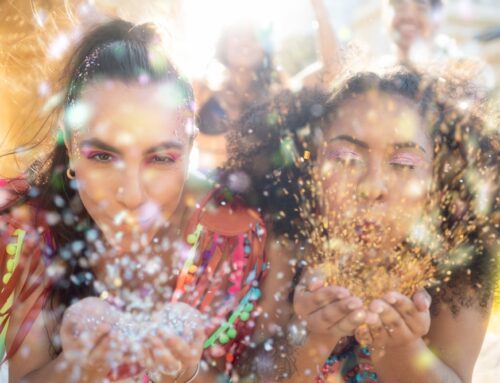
408, 311
363, 336
182, 351
306, 303
391, 319
418, 322
315, 281
326, 317
348, 324
179, 348
378, 333
345, 304
90, 341
146, 357
163, 356
102, 354
422, 300
198, 339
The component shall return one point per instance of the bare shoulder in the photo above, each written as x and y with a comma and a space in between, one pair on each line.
457, 337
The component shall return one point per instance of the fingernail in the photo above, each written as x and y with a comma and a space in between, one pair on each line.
342, 295
428, 301
359, 316
353, 305
371, 318
391, 299
378, 309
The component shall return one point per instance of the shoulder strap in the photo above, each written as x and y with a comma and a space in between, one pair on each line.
224, 267
16, 259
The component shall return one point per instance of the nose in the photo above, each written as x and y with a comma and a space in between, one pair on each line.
130, 193
372, 186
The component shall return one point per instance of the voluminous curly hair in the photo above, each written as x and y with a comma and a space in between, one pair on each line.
276, 144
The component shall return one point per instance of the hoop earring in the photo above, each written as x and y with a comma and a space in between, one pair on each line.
70, 173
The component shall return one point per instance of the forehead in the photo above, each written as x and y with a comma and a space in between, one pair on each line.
121, 113
379, 119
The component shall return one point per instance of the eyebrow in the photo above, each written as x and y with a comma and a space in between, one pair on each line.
364, 145
352, 140
103, 146
164, 146
409, 144
99, 144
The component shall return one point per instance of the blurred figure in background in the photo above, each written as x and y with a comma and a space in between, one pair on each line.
251, 77
413, 26
246, 53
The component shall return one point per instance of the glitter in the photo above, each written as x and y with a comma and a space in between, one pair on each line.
268, 345
59, 201
119, 218
52, 218
77, 115
117, 282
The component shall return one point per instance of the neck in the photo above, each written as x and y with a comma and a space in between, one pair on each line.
241, 78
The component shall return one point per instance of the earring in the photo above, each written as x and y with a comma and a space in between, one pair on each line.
70, 173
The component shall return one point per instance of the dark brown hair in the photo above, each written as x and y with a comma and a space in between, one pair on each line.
115, 50
462, 147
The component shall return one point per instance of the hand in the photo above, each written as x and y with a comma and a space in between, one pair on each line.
329, 311
175, 344
88, 338
396, 320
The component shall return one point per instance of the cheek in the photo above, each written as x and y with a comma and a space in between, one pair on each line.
408, 205
341, 199
416, 190
96, 185
337, 182
164, 188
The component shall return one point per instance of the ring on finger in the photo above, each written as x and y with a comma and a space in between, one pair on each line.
172, 372
389, 329
376, 331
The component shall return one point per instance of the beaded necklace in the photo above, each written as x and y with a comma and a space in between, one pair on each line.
353, 363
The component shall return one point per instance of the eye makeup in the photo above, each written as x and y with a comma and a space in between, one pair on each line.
406, 160
106, 157
344, 155
163, 158
97, 155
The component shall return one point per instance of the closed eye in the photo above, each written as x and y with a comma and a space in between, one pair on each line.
344, 156
405, 161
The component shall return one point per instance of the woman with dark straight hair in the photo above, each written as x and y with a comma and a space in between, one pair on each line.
115, 264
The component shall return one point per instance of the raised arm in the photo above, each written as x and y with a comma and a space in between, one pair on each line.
330, 57
328, 44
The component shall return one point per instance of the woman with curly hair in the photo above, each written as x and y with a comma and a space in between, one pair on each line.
389, 199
